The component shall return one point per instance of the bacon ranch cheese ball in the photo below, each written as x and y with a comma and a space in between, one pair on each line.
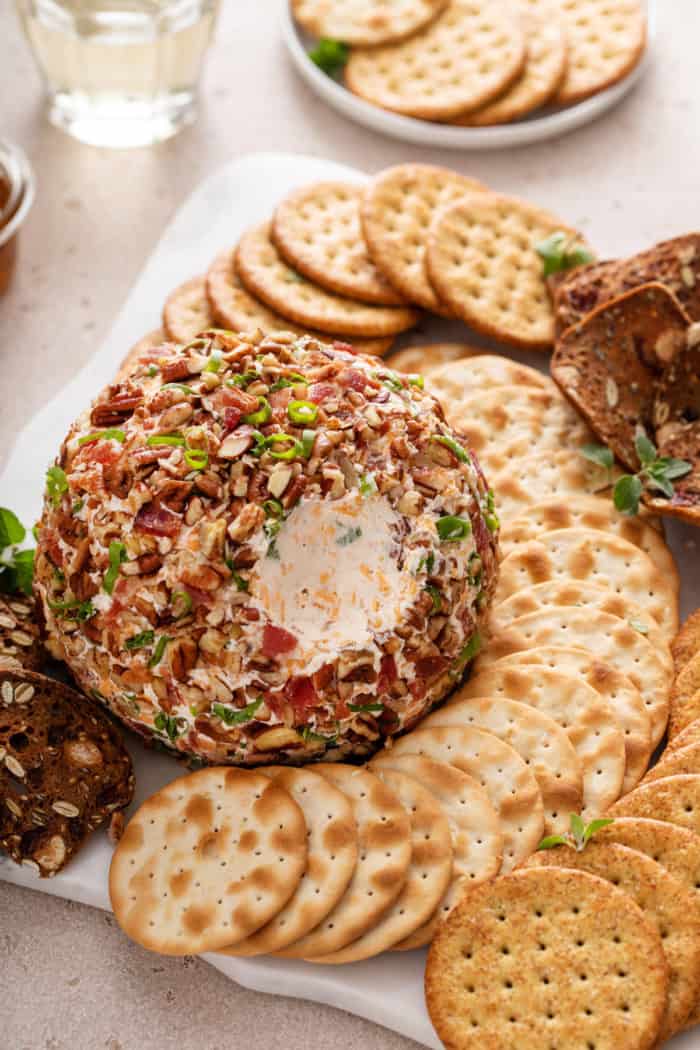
266, 550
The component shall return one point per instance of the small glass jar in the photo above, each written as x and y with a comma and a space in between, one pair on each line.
17, 188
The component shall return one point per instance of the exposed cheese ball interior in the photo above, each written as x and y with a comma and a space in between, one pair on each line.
260, 549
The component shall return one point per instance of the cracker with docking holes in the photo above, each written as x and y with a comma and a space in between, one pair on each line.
207, 860
429, 873
265, 275
396, 214
332, 852
547, 59
687, 642
317, 231
540, 741
589, 721
685, 697
426, 360
507, 423
582, 555
236, 309
665, 901
510, 785
532, 479
384, 840
141, 353
675, 800
505, 970
469, 54
608, 364
187, 311
482, 261
457, 380
607, 638
676, 418
365, 22
606, 41
20, 640
477, 842
615, 688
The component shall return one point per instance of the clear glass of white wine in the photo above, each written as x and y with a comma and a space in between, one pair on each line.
120, 73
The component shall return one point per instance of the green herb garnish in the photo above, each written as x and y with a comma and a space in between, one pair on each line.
373, 708
262, 414
435, 595
165, 439
310, 737
240, 581
368, 484
235, 716
598, 454
450, 528
562, 252
294, 380
159, 650
173, 727
140, 641
273, 508
242, 380
417, 380
308, 439
74, 610
180, 386
427, 562
214, 363
330, 55
197, 458
467, 654
454, 447
183, 602
301, 412
657, 473
579, 835
16, 567
352, 534
117, 555
104, 435
491, 518
56, 484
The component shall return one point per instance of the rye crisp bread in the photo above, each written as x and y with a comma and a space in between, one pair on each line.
365, 22
505, 970
542, 744
384, 840
608, 364
665, 900
615, 688
20, 638
674, 263
467, 56
687, 642
332, 852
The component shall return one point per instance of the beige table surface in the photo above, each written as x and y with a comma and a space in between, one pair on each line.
68, 979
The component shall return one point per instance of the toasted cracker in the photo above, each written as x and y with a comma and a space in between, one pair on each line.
674, 263
263, 273
532, 479
396, 214
615, 688
588, 720
542, 744
463, 59
676, 417
606, 41
425, 360
608, 638
236, 309
429, 874
510, 785
206, 861
608, 364
317, 231
482, 261
365, 22
675, 848
582, 555
384, 840
689, 735
673, 799
507, 969
507, 423
187, 311
547, 57
665, 901
679, 761
687, 642
332, 852
477, 842
140, 353
685, 697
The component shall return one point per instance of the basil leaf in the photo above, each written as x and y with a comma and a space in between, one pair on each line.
12, 530
599, 454
627, 493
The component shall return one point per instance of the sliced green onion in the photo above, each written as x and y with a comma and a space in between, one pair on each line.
491, 517
214, 363
117, 555
74, 610
390, 380
184, 601
427, 562
302, 411
308, 439
468, 653
415, 379
374, 707
461, 453
180, 386
152, 370
174, 727
368, 484
140, 641
286, 381
159, 650
104, 435
243, 379
288, 453
261, 415
450, 528
76, 508
235, 716
197, 458
166, 439
240, 581
56, 484
435, 595
273, 508
310, 737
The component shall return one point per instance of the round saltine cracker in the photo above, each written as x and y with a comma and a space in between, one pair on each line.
384, 840
426, 360
615, 688
396, 213
481, 259
504, 776
206, 861
583, 555
264, 274
331, 860
429, 874
588, 720
542, 744
532, 479
471, 53
365, 22
457, 380
187, 312
317, 231
505, 969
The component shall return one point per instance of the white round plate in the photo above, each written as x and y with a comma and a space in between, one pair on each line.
425, 133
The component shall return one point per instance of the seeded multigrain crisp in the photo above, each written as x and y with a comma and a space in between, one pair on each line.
20, 643
266, 549
64, 770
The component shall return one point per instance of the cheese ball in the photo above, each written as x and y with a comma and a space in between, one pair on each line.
266, 549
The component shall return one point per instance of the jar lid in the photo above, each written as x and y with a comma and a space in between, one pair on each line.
17, 176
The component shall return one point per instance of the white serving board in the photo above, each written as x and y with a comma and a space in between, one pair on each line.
388, 989
546, 124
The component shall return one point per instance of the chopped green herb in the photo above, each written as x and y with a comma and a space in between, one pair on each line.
352, 534
273, 508
242, 380
467, 654
166, 439
561, 252
197, 458
373, 708
475, 568
416, 380
240, 581
214, 363
74, 610
435, 595
294, 380
117, 555
598, 454
302, 412
330, 55
656, 473
233, 716
368, 484
159, 650
627, 493
152, 370
140, 641
173, 727
579, 835
103, 435
310, 737
181, 603
262, 414
12, 531
77, 506
180, 386
490, 516
273, 551
56, 484
450, 528
308, 439
427, 562
454, 447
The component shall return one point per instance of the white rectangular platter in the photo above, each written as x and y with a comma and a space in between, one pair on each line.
388, 989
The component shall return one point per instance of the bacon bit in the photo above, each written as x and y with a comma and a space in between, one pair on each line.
277, 641
248, 612
232, 417
417, 688
157, 520
354, 380
319, 392
279, 400
387, 673
301, 693
430, 666
104, 452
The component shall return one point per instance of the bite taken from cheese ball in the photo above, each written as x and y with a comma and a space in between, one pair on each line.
266, 549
